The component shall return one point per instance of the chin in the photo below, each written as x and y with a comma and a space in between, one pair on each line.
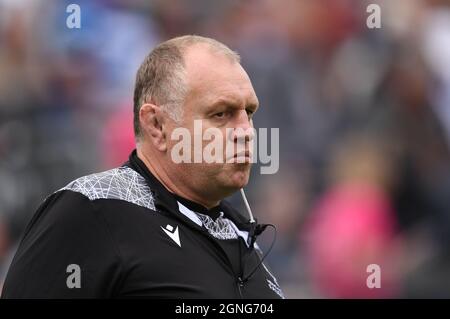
240, 179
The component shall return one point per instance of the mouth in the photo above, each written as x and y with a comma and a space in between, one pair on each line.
241, 157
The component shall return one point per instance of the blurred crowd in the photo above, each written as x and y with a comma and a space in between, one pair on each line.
364, 119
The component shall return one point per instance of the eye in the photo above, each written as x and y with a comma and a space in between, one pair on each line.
219, 115
250, 112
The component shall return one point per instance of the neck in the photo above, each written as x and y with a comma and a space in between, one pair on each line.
161, 173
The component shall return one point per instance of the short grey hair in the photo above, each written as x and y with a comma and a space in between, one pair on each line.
161, 78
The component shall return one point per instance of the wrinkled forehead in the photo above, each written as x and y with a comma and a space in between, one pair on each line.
211, 75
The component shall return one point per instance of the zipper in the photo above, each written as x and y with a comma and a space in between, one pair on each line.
240, 285
219, 249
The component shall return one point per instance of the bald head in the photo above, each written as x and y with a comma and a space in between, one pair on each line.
162, 78
213, 77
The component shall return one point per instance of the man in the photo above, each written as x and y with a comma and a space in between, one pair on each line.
156, 227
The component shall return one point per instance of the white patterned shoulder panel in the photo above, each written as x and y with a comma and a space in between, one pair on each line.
119, 183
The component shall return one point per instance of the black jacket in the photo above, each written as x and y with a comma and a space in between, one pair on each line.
120, 233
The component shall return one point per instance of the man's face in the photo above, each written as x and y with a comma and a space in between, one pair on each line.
221, 96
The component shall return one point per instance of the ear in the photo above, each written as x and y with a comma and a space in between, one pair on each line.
152, 123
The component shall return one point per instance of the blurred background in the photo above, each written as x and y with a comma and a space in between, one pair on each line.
364, 118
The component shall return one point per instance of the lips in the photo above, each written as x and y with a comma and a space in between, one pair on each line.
242, 154
241, 157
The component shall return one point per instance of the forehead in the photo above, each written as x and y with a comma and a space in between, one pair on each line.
212, 76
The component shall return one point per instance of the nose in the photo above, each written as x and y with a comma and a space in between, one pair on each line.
243, 129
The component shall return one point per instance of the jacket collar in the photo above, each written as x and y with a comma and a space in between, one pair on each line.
167, 201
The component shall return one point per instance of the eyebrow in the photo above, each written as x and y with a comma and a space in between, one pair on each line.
233, 103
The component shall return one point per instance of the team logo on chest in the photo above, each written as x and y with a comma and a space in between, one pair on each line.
172, 233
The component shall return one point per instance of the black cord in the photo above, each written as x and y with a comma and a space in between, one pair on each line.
265, 255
